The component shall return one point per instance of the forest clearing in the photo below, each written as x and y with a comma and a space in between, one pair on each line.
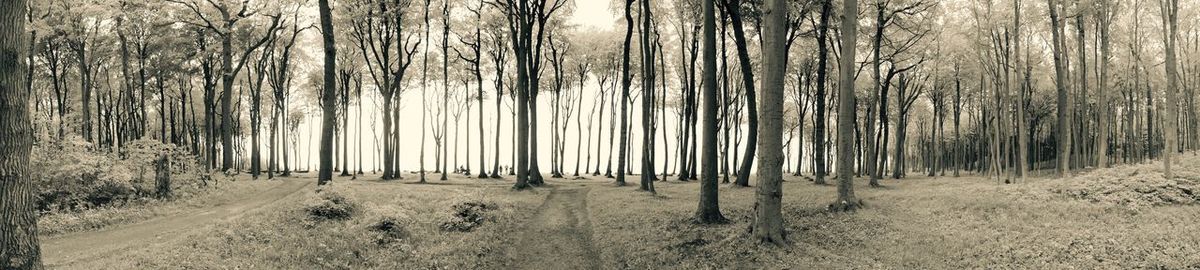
930, 223
599, 134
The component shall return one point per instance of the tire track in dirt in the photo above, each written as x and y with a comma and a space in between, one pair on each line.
89, 247
559, 236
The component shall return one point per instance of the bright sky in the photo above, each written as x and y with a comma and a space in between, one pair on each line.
593, 13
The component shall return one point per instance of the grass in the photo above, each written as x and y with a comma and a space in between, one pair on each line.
915, 223
919, 223
184, 199
286, 236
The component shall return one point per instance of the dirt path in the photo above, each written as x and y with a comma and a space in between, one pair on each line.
560, 235
86, 247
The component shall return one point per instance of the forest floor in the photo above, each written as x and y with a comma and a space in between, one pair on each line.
94, 247
919, 222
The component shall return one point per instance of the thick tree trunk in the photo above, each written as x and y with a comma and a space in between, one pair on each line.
846, 111
19, 248
768, 217
709, 210
1170, 12
1064, 111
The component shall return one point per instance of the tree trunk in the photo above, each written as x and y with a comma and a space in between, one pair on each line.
739, 41
647, 168
328, 102
1170, 12
625, 81
1063, 128
768, 217
19, 248
822, 70
709, 210
846, 112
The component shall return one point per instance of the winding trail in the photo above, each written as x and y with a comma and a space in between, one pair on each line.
68, 250
560, 235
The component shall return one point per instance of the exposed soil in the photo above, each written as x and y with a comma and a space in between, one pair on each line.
559, 236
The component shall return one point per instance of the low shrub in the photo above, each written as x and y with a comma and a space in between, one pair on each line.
467, 215
330, 205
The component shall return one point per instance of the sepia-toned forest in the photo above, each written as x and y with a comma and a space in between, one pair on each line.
599, 134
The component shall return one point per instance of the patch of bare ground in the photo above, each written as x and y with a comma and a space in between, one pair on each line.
559, 236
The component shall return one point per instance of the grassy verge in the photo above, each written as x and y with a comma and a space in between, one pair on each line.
188, 198
393, 225
946, 223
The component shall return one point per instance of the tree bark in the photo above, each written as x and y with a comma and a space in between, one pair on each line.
846, 111
625, 81
819, 151
328, 98
768, 216
1063, 127
19, 248
739, 41
1170, 13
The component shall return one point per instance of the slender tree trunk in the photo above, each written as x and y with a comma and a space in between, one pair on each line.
739, 38
625, 81
1169, 13
328, 102
819, 151
647, 168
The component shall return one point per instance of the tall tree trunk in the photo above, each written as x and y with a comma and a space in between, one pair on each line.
647, 168
739, 41
1105, 51
1064, 118
625, 81
822, 70
846, 111
19, 248
768, 217
1170, 12
328, 102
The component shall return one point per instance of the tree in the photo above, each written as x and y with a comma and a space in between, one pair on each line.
445, 84
328, 97
648, 73
768, 216
625, 81
1169, 10
822, 69
224, 27
709, 210
19, 248
846, 111
1064, 103
733, 9
474, 56
387, 50
1106, 16
499, 52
